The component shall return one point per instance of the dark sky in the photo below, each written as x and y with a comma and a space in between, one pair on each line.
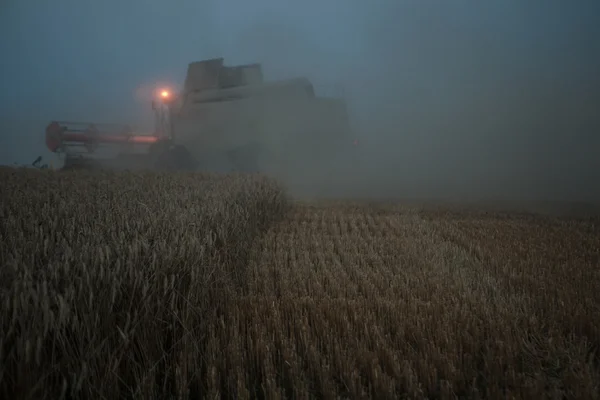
501, 95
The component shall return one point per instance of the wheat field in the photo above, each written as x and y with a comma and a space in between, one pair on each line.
141, 285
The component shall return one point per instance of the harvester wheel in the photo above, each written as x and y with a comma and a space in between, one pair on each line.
174, 158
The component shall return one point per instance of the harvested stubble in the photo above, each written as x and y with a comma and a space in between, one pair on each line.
106, 278
375, 302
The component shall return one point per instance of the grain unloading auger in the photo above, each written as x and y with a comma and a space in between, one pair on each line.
226, 118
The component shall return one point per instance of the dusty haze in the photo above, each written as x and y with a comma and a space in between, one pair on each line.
463, 99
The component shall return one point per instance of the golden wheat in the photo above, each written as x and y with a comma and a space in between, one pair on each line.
142, 285
106, 278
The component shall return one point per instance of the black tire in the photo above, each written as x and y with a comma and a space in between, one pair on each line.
174, 159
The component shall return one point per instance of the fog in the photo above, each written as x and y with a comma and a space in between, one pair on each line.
453, 99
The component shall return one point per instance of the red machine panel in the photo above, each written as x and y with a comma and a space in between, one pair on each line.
60, 134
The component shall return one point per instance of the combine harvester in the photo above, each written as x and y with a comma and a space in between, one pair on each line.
225, 119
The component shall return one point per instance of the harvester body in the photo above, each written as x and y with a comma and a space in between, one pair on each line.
226, 118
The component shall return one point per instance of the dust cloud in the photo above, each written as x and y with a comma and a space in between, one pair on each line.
457, 100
